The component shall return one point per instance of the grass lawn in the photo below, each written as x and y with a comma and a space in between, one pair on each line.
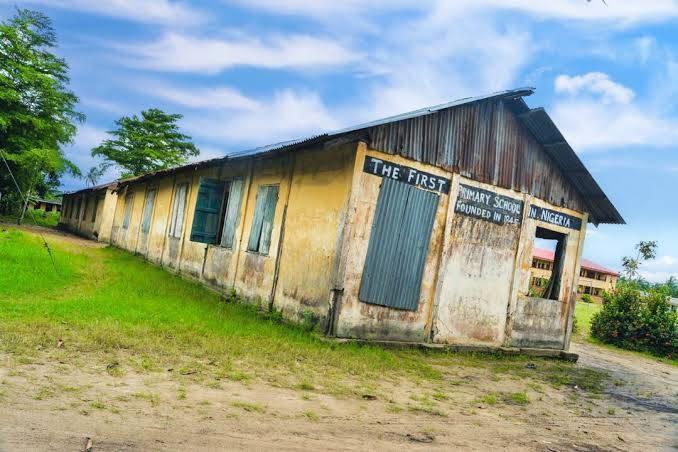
114, 311
584, 314
36, 217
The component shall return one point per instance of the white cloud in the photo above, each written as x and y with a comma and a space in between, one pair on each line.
185, 53
619, 11
599, 113
145, 11
289, 114
645, 46
214, 98
596, 83
424, 61
660, 269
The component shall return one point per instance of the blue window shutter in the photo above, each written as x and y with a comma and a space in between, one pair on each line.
269, 214
232, 214
396, 253
207, 209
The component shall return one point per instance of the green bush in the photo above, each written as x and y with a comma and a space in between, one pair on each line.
586, 298
638, 320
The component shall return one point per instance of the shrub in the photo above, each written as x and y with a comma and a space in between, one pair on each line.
637, 320
586, 298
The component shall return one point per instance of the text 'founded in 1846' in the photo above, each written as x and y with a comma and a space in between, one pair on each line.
489, 206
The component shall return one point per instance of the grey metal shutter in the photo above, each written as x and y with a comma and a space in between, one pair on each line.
262, 223
232, 214
148, 211
396, 254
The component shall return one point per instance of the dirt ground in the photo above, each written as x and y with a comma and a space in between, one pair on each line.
46, 405
49, 402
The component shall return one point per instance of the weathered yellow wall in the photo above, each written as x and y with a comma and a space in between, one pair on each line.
317, 206
100, 229
255, 272
315, 192
476, 274
474, 282
220, 263
362, 320
535, 322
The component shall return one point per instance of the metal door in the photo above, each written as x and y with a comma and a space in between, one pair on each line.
396, 254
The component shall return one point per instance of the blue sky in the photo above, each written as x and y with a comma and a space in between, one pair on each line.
251, 72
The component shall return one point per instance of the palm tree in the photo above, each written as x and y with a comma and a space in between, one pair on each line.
93, 175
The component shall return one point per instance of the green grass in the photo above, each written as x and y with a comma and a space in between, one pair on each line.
36, 217
584, 313
126, 314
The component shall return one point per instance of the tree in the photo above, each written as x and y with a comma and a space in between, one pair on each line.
644, 251
37, 111
93, 175
146, 144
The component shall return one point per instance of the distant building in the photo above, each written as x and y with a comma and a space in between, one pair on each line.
48, 205
593, 278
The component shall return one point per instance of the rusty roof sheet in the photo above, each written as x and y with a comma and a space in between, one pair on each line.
537, 121
111, 185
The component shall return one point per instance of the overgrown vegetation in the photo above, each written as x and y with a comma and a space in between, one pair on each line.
638, 320
112, 310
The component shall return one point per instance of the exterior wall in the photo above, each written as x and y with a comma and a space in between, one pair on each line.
100, 229
477, 266
368, 321
476, 278
537, 322
316, 210
311, 206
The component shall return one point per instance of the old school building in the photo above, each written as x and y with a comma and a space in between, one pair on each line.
419, 227
594, 279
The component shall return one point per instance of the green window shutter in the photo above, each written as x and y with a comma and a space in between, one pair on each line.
269, 214
207, 208
232, 214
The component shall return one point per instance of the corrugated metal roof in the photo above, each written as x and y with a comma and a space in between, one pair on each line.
535, 120
112, 184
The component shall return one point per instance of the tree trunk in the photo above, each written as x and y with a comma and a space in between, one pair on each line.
23, 211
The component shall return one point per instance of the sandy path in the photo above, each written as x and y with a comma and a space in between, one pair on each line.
48, 406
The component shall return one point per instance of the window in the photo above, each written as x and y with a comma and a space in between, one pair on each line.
262, 223
232, 198
556, 242
95, 206
396, 253
129, 200
148, 211
177, 220
207, 211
